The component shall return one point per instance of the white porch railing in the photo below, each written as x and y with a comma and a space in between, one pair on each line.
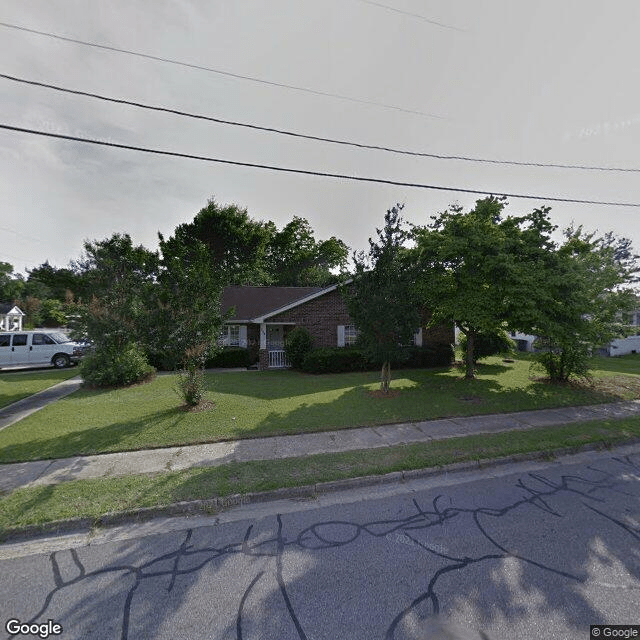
278, 360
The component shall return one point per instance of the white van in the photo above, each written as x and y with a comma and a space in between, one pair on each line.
40, 347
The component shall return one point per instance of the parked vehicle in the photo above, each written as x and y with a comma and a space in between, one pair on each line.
40, 347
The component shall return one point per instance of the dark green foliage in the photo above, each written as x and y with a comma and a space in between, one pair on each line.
116, 320
229, 357
110, 366
480, 270
295, 259
190, 386
425, 357
381, 300
342, 360
560, 362
297, 345
489, 344
336, 360
236, 245
583, 301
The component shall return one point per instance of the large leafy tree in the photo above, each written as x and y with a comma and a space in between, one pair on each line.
236, 244
295, 258
587, 290
479, 269
62, 283
381, 300
244, 251
122, 278
11, 284
187, 319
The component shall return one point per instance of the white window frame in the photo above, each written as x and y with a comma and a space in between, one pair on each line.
350, 335
231, 335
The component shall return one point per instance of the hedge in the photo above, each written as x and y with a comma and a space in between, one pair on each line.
341, 360
229, 357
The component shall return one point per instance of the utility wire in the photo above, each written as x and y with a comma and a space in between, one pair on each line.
340, 176
229, 74
413, 15
294, 134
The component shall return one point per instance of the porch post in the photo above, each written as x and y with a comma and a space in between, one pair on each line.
263, 335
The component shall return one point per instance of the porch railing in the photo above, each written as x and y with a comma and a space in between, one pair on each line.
278, 359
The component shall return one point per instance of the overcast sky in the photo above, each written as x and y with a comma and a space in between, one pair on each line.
550, 82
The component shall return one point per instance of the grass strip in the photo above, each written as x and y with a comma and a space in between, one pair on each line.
16, 385
94, 498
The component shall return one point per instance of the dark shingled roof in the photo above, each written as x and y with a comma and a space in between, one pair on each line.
5, 308
252, 302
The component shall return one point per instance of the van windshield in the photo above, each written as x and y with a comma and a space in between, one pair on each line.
60, 338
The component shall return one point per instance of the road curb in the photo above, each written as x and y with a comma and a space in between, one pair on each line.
212, 506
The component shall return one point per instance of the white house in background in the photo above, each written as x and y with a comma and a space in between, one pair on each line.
618, 347
10, 318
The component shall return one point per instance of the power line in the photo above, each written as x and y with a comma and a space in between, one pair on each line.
413, 15
294, 134
229, 74
340, 176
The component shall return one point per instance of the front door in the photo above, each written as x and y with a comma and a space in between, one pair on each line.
275, 337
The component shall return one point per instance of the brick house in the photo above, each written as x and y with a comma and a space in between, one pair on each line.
263, 316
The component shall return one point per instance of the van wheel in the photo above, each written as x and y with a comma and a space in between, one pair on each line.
60, 361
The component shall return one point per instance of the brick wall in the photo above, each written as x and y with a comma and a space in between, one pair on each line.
320, 316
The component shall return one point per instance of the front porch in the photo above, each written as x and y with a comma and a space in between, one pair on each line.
271, 353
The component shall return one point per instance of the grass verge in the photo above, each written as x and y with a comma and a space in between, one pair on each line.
38, 506
15, 385
258, 404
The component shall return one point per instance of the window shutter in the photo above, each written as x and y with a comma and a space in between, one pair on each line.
341, 335
243, 335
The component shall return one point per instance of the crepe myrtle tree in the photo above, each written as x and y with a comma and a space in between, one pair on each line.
587, 294
381, 298
188, 318
478, 269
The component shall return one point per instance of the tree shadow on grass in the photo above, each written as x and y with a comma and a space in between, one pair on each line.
92, 440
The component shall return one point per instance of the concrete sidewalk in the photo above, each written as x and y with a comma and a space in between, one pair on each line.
22, 408
47, 472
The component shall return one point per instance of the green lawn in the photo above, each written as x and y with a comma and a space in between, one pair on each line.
15, 385
250, 404
37, 506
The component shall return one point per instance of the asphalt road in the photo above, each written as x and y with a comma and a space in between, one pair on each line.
541, 550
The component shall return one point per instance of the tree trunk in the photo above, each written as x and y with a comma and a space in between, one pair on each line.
385, 377
469, 373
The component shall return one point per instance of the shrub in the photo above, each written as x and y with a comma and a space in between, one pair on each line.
340, 360
439, 355
230, 357
191, 386
561, 360
297, 345
335, 360
489, 344
110, 367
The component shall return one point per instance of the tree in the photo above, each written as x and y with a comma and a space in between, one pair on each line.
188, 319
11, 284
295, 258
478, 270
236, 244
59, 281
582, 306
122, 278
382, 299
